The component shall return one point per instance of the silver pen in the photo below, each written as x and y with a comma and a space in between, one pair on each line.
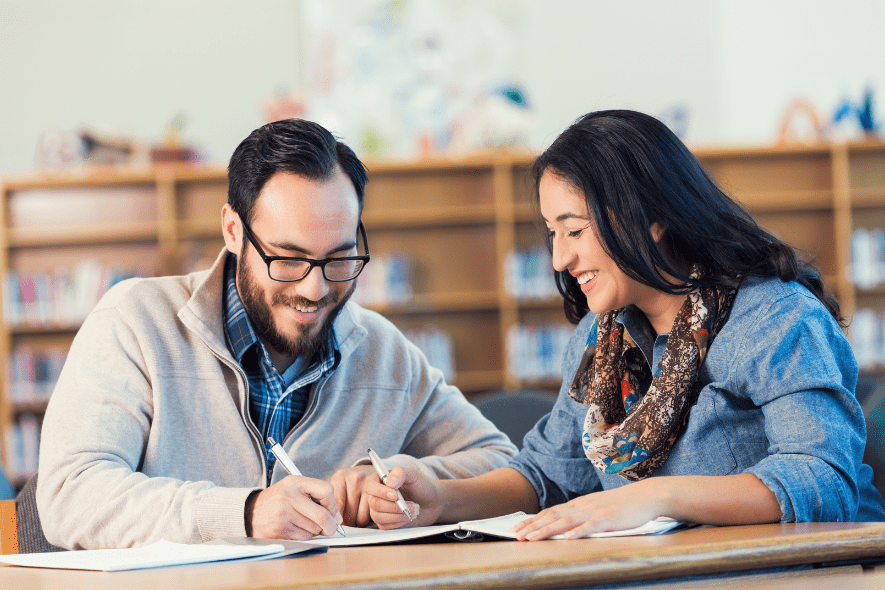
382, 472
286, 462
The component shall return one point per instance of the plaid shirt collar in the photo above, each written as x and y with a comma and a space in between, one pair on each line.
240, 335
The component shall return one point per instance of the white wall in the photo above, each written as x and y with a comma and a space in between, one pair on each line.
772, 52
645, 55
120, 66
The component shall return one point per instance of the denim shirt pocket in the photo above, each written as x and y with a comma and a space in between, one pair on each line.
704, 448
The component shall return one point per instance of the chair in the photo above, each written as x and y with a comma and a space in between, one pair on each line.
6, 490
515, 412
873, 406
20, 528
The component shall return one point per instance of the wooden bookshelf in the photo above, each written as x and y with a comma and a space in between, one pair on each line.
456, 219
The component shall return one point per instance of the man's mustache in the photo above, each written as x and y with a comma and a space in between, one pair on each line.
283, 299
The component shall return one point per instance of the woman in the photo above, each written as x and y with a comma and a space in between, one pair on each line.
708, 378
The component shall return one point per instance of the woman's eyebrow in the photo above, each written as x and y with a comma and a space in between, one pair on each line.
565, 216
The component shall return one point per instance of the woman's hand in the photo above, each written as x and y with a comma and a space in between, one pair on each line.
422, 493
621, 508
702, 499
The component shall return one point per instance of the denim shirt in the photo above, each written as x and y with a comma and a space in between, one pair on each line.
777, 401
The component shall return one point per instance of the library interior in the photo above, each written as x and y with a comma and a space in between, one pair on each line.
119, 120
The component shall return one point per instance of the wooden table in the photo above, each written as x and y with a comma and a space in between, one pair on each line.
511, 564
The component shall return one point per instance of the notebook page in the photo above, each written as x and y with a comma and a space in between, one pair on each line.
365, 536
159, 554
502, 526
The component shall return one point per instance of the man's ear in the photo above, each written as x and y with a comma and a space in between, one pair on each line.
231, 229
657, 230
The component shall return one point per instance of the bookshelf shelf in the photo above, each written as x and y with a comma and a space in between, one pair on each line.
546, 303
869, 197
470, 381
35, 407
205, 228
526, 213
786, 201
431, 217
42, 329
442, 303
75, 236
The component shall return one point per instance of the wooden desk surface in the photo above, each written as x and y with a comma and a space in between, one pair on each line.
506, 564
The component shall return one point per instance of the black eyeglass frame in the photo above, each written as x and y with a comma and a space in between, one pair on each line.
321, 263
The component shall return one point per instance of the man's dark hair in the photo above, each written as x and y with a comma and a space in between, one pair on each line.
292, 145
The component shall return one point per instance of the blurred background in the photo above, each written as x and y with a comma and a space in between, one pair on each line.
394, 77
117, 119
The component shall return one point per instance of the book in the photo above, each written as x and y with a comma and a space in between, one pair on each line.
471, 530
163, 553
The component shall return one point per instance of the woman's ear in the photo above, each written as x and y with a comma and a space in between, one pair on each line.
657, 230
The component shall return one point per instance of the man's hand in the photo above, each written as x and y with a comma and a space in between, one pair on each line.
295, 507
349, 497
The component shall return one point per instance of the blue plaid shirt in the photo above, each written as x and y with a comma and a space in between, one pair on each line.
276, 402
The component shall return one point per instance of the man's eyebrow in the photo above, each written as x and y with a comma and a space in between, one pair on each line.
290, 247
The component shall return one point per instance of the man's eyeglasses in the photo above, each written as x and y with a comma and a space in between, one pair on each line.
288, 270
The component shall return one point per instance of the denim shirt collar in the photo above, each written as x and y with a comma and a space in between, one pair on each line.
639, 328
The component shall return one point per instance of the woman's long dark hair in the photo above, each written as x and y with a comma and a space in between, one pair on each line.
633, 172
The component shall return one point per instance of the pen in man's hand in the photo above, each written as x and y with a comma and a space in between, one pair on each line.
382, 472
286, 462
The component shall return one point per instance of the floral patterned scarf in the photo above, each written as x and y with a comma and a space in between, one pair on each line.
631, 435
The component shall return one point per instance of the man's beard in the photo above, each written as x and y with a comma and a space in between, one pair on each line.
308, 345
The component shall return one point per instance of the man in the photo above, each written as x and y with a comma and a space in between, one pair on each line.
159, 424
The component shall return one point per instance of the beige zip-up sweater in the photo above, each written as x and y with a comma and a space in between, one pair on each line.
147, 434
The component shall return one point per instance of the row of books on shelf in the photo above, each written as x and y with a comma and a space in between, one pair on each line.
867, 333
868, 257
33, 373
534, 352
388, 279
23, 442
60, 296
437, 347
385, 280
529, 274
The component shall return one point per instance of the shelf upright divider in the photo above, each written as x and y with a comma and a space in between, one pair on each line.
5, 334
843, 222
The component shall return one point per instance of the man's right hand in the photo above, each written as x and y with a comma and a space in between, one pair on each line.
295, 507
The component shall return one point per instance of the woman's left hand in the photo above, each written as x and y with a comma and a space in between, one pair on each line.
621, 508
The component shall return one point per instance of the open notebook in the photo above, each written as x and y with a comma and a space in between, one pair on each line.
470, 530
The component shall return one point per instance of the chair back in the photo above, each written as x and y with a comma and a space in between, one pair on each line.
6, 490
30, 532
515, 412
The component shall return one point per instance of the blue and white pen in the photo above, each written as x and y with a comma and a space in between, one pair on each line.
286, 462
382, 472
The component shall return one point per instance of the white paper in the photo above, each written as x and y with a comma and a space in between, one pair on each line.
159, 554
502, 526
363, 536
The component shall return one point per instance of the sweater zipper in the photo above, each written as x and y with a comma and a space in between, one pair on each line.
312, 403
244, 415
